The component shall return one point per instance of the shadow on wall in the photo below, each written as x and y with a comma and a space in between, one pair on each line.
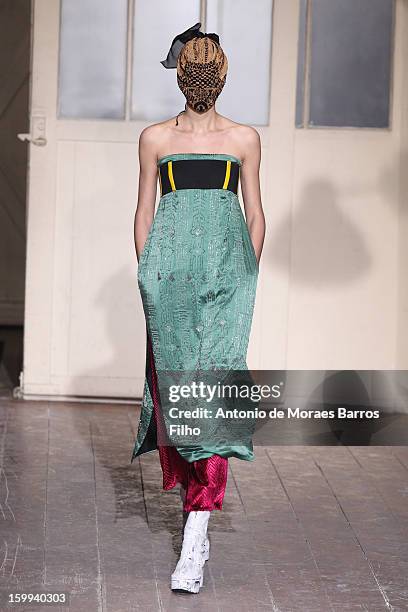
327, 246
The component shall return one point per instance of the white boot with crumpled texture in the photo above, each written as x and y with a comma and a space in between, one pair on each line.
205, 551
189, 573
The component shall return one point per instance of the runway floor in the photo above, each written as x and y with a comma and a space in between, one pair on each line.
303, 528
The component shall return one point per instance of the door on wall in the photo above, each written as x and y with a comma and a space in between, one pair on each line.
97, 82
301, 73
14, 94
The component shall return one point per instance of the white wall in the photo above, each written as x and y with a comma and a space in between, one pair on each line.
331, 269
402, 320
332, 288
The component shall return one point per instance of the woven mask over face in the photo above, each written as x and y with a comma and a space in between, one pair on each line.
201, 72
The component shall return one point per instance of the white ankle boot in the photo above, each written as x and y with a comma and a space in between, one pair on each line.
189, 572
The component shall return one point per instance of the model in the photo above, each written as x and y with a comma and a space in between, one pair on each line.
197, 275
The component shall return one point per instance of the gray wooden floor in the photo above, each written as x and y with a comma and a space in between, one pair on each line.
303, 528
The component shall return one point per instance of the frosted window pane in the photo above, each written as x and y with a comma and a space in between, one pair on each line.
245, 30
92, 72
155, 93
350, 62
300, 89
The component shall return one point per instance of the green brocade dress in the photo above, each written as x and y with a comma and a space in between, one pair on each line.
197, 276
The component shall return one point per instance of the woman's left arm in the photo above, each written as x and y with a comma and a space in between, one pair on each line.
251, 189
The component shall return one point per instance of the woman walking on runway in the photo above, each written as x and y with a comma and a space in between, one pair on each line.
197, 273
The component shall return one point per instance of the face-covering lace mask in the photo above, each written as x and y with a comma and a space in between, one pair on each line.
201, 84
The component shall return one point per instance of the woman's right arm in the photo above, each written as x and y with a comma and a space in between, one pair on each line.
147, 188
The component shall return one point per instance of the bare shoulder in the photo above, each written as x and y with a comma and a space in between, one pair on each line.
251, 142
157, 136
250, 134
245, 138
248, 137
155, 133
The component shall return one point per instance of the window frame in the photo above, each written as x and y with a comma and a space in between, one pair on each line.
303, 80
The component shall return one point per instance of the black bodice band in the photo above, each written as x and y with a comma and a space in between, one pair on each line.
198, 174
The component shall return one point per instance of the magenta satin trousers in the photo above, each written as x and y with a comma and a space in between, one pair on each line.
204, 480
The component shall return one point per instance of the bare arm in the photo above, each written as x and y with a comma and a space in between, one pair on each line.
147, 188
251, 190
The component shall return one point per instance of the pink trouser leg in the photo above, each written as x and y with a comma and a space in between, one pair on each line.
204, 480
206, 484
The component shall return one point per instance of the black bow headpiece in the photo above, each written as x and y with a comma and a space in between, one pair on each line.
180, 40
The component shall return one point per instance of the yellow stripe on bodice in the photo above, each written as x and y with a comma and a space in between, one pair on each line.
227, 174
170, 173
